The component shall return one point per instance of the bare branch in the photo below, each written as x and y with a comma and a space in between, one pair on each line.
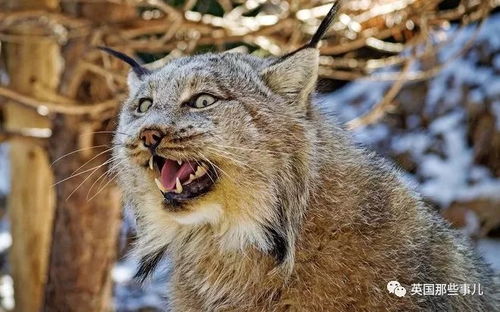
51, 107
28, 134
388, 27
379, 110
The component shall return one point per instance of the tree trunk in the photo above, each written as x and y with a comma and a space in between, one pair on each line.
86, 227
85, 231
30, 64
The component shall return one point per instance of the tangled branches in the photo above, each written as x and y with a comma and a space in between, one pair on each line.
368, 35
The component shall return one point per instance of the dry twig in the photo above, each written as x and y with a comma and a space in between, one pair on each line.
46, 107
279, 27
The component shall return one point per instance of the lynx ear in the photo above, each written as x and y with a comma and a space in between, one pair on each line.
137, 71
294, 75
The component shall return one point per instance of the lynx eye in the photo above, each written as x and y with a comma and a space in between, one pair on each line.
202, 101
144, 105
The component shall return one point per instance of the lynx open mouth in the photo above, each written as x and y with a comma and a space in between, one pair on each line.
182, 180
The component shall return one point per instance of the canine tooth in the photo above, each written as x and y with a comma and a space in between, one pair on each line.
178, 186
191, 178
179, 162
160, 186
151, 163
200, 171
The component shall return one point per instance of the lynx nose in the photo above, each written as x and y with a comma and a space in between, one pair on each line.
151, 137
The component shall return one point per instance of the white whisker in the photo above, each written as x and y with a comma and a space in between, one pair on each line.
80, 173
106, 173
91, 159
76, 151
236, 161
90, 175
103, 187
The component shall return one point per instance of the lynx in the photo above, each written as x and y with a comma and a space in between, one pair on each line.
262, 202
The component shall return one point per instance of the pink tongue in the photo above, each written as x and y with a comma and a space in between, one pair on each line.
171, 171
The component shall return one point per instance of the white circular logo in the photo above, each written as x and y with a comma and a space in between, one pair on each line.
400, 291
391, 286
394, 287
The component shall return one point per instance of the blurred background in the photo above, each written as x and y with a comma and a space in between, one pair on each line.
416, 80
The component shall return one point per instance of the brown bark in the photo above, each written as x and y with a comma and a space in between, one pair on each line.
30, 65
85, 231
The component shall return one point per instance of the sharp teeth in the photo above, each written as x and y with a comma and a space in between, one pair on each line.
179, 162
178, 186
200, 171
160, 186
151, 163
191, 178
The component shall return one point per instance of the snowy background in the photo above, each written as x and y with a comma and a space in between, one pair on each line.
444, 133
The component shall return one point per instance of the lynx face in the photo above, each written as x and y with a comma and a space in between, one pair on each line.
204, 135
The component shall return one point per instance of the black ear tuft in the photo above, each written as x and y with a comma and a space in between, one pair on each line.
324, 26
136, 67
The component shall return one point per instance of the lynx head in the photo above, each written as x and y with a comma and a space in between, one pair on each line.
218, 140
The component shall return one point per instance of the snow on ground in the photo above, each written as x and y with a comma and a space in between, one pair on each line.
450, 174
